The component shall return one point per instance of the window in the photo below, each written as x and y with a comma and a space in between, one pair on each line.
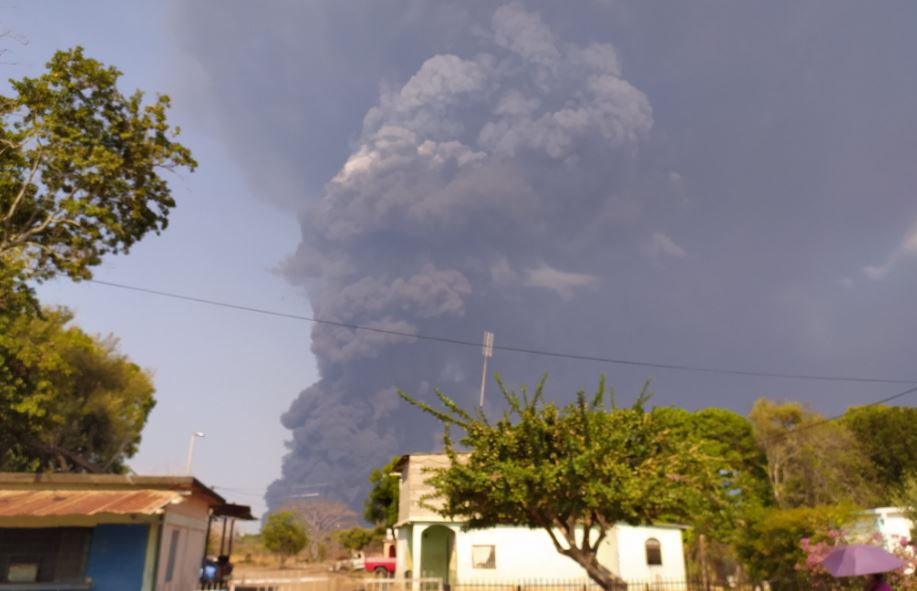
173, 548
44, 555
653, 552
483, 557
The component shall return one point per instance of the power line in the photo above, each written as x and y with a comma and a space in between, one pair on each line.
507, 348
840, 416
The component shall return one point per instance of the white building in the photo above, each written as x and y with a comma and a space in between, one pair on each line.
429, 546
891, 522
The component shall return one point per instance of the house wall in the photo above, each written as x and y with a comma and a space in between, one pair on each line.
189, 520
631, 551
117, 557
414, 487
891, 522
522, 554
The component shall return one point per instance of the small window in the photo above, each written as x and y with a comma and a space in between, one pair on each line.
44, 555
653, 552
483, 557
173, 549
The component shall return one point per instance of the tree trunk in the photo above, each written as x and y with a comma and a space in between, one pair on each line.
702, 556
606, 579
585, 554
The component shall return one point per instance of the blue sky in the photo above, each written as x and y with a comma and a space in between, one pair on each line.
227, 374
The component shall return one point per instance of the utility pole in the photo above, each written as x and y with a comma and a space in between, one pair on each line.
488, 352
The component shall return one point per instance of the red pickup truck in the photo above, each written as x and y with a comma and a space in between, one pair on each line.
382, 566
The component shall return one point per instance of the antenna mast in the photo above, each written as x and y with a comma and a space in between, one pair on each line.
488, 351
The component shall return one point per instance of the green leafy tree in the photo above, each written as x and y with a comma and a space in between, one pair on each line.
68, 401
80, 177
770, 544
811, 461
356, 539
16, 297
572, 471
728, 439
905, 495
381, 507
284, 534
888, 436
80, 166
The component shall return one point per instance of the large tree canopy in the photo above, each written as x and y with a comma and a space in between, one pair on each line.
80, 168
573, 471
770, 544
68, 401
728, 439
811, 461
888, 436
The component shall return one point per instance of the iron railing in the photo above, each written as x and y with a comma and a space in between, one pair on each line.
301, 581
291, 581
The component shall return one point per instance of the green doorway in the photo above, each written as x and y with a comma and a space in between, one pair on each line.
437, 553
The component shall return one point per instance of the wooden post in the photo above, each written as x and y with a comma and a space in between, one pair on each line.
223, 538
702, 558
207, 535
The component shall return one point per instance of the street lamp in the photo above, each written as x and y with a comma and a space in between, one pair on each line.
194, 437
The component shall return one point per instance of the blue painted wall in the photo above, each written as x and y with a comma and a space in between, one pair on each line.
116, 557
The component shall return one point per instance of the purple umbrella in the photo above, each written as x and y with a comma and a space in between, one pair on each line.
857, 560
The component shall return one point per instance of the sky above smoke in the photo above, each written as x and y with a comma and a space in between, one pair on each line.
713, 183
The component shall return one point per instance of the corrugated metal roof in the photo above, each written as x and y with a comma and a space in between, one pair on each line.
57, 481
43, 503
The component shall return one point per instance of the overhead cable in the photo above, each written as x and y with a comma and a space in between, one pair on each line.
508, 348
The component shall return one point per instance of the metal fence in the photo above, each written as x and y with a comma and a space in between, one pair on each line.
578, 585
286, 580
682, 584
292, 581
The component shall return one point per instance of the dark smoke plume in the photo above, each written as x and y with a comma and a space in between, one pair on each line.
683, 183
445, 217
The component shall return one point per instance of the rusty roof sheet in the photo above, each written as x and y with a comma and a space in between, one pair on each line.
49, 481
46, 503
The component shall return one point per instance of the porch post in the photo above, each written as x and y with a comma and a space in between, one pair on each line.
416, 554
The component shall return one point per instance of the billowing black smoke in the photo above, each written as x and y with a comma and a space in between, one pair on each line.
445, 219
508, 167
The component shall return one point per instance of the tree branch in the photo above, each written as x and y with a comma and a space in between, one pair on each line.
61, 451
23, 190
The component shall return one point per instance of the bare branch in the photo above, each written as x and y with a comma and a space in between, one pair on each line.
62, 451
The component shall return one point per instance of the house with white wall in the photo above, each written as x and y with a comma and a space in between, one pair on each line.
892, 523
430, 546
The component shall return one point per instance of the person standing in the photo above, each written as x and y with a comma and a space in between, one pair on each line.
878, 583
